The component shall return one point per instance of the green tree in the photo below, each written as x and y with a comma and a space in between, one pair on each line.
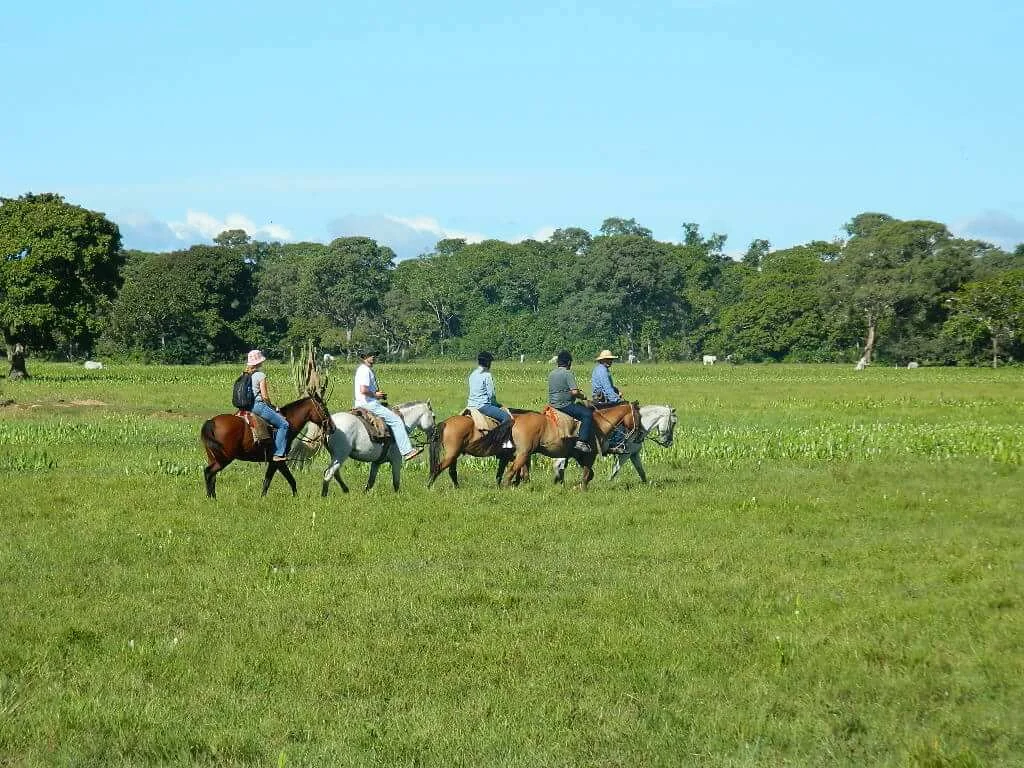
59, 268
183, 306
613, 227
893, 277
992, 307
345, 284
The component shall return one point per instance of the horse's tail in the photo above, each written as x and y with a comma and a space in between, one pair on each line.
436, 437
496, 438
209, 436
306, 445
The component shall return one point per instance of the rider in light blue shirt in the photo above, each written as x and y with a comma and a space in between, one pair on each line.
603, 391
481, 390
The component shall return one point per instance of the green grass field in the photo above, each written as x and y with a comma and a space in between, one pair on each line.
826, 569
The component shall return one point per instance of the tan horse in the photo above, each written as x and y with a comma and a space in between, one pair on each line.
533, 432
458, 435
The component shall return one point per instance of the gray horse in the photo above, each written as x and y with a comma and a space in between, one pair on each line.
350, 440
657, 423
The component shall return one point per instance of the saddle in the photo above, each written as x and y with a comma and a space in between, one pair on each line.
565, 426
260, 429
481, 421
376, 427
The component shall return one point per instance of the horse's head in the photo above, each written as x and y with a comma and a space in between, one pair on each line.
321, 414
418, 414
660, 420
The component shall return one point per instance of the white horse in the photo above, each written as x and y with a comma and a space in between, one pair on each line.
350, 439
657, 423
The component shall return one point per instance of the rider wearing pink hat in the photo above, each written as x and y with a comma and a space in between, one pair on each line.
264, 408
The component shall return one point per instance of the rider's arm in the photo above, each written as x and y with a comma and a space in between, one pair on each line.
264, 392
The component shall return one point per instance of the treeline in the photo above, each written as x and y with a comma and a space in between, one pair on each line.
895, 290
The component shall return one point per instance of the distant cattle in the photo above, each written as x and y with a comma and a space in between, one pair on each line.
92, 365
710, 359
328, 359
912, 364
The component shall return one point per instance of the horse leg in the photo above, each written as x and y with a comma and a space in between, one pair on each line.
514, 474
271, 469
396, 473
502, 463
453, 473
616, 465
635, 458
374, 469
587, 474
333, 470
210, 476
283, 469
560, 471
450, 458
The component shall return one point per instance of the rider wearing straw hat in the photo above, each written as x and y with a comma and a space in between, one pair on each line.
603, 391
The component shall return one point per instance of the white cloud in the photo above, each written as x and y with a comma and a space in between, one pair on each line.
406, 236
200, 224
998, 227
540, 235
142, 231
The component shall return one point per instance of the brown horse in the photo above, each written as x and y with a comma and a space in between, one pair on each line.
228, 438
457, 435
533, 433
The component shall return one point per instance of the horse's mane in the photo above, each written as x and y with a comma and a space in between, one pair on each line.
411, 403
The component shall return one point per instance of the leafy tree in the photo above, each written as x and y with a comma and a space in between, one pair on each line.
613, 227
572, 241
756, 253
183, 306
893, 275
59, 268
345, 283
779, 315
992, 307
275, 321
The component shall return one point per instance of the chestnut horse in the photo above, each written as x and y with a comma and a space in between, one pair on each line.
228, 438
533, 433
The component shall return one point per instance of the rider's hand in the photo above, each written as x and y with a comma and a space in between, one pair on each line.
380, 395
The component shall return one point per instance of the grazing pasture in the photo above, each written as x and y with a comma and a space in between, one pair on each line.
827, 568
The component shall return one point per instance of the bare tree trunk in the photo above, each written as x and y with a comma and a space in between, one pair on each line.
17, 358
869, 347
995, 351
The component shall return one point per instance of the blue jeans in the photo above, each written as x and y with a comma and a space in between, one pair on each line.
395, 422
586, 418
275, 419
494, 412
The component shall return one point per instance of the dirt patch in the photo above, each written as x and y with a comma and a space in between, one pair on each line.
87, 402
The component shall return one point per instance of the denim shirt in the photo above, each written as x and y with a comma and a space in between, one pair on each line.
601, 384
481, 389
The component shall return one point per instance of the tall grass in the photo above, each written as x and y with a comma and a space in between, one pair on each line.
826, 569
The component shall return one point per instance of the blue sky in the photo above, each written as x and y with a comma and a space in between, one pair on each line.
411, 122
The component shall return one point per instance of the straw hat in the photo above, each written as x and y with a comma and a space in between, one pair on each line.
606, 355
255, 357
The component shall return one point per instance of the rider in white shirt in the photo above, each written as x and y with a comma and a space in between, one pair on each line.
367, 395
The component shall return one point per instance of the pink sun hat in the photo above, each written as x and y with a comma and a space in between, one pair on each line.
255, 357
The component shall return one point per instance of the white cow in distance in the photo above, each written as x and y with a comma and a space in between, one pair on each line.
92, 365
710, 359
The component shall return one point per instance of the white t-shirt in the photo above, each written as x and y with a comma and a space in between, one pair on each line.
365, 378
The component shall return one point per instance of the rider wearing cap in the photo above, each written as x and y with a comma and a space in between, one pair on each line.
367, 395
563, 393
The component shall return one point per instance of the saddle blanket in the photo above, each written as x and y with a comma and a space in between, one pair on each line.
260, 429
565, 425
481, 421
376, 427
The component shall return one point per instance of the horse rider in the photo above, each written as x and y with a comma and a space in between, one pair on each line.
563, 393
481, 390
263, 407
368, 396
604, 393
602, 390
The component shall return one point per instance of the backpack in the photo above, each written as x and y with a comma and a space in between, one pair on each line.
242, 396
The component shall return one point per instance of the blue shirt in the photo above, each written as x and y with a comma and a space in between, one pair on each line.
481, 389
601, 384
